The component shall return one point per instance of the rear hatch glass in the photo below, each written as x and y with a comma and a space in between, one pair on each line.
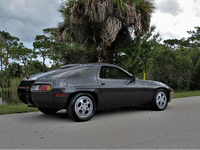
72, 73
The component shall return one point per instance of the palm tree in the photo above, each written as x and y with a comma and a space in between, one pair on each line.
104, 22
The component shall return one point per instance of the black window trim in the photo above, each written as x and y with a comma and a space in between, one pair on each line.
116, 68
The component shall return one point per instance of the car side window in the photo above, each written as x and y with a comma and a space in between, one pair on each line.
73, 73
112, 73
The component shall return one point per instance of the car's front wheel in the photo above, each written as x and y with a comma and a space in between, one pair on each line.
81, 107
160, 100
47, 110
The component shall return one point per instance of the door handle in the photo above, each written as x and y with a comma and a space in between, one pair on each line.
103, 83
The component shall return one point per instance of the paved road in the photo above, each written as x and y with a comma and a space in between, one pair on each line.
177, 127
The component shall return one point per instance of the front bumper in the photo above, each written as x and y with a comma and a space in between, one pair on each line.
171, 95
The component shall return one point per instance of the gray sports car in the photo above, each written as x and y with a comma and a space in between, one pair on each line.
83, 88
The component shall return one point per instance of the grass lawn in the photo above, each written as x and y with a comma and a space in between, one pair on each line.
186, 94
16, 108
22, 108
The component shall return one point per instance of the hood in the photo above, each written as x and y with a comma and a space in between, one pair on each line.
153, 83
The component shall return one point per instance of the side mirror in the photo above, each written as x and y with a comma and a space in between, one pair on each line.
133, 78
130, 80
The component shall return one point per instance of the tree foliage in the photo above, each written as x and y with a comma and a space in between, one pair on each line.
64, 51
7, 43
101, 22
23, 55
14, 71
35, 67
195, 37
135, 55
42, 47
175, 63
171, 67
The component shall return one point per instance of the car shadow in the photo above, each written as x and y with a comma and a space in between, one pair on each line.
61, 116
121, 110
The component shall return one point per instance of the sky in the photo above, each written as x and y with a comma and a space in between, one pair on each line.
173, 18
27, 18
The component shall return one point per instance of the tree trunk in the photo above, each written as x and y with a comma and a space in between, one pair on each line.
106, 55
1, 63
43, 61
1, 59
24, 60
6, 66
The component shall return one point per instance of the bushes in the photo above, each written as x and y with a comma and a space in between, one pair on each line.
161, 65
8, 91
175, 68
196, 77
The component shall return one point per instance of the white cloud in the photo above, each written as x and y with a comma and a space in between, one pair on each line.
176, 26
27, 18
169, 6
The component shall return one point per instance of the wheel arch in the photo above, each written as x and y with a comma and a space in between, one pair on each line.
166, 91
93, 94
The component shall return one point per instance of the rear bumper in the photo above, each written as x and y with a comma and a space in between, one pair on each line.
24, 92
25, 97
54, 99
42, 99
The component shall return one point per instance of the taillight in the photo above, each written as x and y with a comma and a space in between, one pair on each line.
42, 87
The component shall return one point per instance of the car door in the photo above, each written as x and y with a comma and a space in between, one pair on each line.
135, 92
116, 87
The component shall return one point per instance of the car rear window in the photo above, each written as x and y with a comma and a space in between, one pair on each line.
73, 73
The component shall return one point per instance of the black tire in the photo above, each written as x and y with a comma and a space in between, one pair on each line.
81, 107
160, 100
47, 110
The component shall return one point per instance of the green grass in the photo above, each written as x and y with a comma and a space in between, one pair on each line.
16, 108
186, 94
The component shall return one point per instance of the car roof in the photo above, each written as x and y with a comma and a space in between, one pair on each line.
87, 64
69, 66
92, 64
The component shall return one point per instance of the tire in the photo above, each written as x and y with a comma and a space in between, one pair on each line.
160, 101
81, 107
47, 110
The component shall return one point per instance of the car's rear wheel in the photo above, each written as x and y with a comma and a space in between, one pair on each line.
81, 107
160, 100
47, 110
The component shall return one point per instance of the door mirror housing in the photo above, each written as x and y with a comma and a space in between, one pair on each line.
130, 80
133, 78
